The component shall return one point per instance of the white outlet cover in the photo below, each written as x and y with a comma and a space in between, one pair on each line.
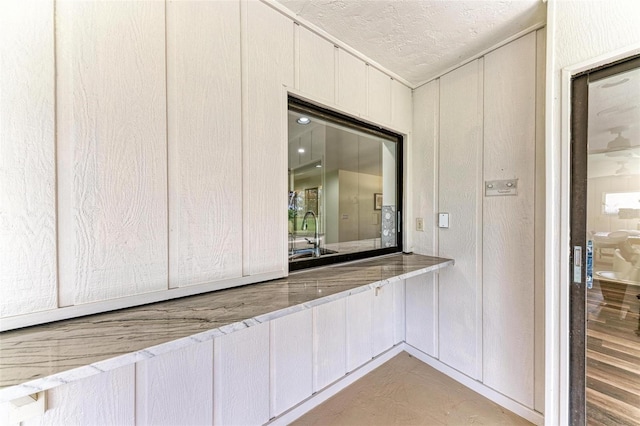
443, 220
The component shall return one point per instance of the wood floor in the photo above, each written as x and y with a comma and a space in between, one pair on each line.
405, 391
613, 354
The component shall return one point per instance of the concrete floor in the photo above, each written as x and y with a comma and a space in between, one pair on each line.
405, 391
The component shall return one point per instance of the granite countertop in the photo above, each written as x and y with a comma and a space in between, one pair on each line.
44, 356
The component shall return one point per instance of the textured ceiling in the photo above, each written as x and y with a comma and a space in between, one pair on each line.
419, 39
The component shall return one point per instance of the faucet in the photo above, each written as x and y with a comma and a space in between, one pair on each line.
316, 245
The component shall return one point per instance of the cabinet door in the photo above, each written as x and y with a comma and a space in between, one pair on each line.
176, 387
291, 360
383, 320
461, 177
329, 343
27, 158
112, 149
241, 377
508, 231
269, 65
317, 66
359, 323
104, 399
205, 141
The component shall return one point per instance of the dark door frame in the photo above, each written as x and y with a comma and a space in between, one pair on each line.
578, 225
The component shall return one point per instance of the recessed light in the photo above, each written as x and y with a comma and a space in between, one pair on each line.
318, 165
301, 150
304, 120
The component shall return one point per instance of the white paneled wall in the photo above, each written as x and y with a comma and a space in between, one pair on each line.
268, 55
205, 141
316, 66
352, 83
27, 158
168, 157
508, 222
483, 317
378, 95
112, 149
460, 192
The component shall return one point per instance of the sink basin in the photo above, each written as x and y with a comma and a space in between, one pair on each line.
308, 252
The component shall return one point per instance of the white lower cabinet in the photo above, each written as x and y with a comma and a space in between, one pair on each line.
241, 377
105, 399
176, 387
329, 343
291, 360
383, 324
359, 323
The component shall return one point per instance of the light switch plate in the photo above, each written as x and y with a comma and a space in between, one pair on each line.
419, 224
443, 220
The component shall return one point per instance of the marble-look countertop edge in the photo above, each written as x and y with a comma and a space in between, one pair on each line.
65, 377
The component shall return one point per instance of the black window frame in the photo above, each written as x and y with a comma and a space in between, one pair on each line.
303, 106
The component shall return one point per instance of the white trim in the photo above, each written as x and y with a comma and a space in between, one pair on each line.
336, 42
478, 387
321, 396
534, 27
26, 320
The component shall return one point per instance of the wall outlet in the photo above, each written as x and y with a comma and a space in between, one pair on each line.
419, 224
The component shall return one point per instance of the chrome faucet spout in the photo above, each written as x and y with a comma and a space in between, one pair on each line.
316, 237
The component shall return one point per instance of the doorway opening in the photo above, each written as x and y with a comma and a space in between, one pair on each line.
604, 323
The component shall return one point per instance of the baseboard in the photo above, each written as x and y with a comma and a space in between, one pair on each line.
329, 391
478, 387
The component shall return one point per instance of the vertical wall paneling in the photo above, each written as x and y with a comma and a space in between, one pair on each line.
106, 399
508, 227
422, 312
352, 83
384, 325
401, 106
424, 166
359, 323
27, 153
378, 95
329, 343
241, 377
460, 182
204, 138
317, 67
539, 215
269, 66
399, 309
176, 387
112, 153
291, 360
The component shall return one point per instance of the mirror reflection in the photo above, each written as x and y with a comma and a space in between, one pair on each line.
342, 188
